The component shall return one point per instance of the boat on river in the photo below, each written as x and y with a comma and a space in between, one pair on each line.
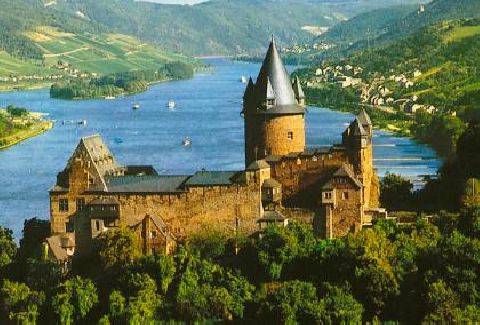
136, 106
187, 142
171, 104
243, 79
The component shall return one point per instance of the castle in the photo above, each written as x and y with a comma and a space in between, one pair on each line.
335, 189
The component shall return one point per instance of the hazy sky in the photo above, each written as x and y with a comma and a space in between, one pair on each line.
183, 2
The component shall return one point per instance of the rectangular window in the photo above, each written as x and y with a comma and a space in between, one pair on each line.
345, 196
69, 226
270, 102
153, 234
63, 205
97, 225
327, 195
290, 135
80, 204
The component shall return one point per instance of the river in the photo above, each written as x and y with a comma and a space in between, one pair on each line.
208, 111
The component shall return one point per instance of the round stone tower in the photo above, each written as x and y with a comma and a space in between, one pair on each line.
273, 111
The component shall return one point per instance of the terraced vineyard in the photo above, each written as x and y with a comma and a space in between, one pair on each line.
102, 54
87, 53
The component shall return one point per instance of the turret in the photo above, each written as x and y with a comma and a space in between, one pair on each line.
357, 139
298, 91
273, 111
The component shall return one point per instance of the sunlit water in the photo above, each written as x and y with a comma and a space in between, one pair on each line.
208, 111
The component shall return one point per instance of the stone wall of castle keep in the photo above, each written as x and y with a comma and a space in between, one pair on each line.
278, 135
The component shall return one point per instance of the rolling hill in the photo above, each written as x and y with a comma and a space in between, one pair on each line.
99, 53
212, 28
385, 25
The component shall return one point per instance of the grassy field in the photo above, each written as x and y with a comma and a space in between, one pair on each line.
12, 66
461, 32
101, 54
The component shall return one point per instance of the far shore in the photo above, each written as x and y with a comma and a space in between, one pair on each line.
38, 128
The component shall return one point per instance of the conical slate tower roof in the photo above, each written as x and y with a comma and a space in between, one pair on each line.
364, 118
274, 84
274, 70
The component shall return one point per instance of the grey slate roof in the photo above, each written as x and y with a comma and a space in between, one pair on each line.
145, 184
282, 109
358, 129
98, 150
258, 164
55, 244
364, 118
297, 88
346, 171
271, 183
212, 178
273, 81
273, 69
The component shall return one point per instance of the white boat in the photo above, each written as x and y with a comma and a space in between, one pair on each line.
171, 104
186, 142
82, 122
243, 80
136, 106
110, 97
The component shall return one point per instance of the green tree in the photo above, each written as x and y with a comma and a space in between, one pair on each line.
395, 192
280, 245
143, 301
8, 247
20, 302
468, 151
442, 303
375, 284
117, 247
288, 302
208, 291
35, 231
339, 306
159, 267
74, 299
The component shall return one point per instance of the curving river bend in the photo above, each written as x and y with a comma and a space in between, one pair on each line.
208, 111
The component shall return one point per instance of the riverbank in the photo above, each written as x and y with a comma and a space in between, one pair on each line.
6, 87
36, 129
439, 131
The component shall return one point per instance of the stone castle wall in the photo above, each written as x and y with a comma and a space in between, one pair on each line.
345, 215
302, 176
202, 208
277, 135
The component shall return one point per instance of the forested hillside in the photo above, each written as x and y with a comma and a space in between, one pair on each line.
215, 27
382, 26
447, 54
366, 25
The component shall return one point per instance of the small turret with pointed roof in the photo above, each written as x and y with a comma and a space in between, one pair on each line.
365, 121
298, 91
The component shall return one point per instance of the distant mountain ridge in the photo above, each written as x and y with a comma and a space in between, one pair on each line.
211, 28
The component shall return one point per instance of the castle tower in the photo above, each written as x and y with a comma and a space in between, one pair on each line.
357, 138
273, 111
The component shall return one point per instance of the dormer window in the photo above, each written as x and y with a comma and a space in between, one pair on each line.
271, 102
327, 195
